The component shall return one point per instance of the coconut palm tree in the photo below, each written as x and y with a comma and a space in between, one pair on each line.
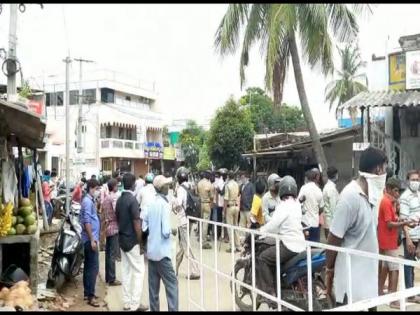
350, 82
278, 27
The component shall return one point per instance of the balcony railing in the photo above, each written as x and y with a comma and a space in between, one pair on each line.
121, 144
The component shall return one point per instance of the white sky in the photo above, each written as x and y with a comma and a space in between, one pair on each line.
173, 45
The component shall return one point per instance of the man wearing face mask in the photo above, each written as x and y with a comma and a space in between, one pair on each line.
271, 198
90, 237
354, 226
410, 209
330, 194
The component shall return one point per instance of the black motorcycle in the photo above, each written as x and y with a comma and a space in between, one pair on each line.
68, 251
294, 284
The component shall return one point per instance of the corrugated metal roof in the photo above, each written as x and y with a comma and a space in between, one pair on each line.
383, 98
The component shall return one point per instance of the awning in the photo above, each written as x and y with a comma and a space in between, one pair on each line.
337, 135
383, 98
111, 117
27, 126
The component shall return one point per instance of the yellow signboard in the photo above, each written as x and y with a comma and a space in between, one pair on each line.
168, 153
396, 71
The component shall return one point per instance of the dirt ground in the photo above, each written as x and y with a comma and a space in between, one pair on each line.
71, 296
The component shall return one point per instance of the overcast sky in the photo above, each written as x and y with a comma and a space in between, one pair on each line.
173, 46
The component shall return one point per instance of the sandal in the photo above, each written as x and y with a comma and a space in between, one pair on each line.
93, 302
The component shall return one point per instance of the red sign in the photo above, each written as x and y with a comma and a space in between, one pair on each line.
36, 104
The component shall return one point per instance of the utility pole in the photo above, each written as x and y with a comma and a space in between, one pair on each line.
67, 99
11, 66
80, 118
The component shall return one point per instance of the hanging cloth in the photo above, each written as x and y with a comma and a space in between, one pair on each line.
9, 180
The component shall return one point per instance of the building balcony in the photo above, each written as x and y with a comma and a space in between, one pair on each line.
110, 147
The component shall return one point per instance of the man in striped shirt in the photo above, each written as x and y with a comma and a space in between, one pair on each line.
410, 209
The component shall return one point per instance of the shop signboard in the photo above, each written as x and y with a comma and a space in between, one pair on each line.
397, 73
168, 153
412, 69
153, 150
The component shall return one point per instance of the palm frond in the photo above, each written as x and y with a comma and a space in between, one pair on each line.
253, 32
342, 22
227, 34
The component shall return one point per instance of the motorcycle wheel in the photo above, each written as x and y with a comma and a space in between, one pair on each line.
59, 281
242, 292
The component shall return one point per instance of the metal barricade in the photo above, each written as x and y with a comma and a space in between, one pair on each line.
400, 295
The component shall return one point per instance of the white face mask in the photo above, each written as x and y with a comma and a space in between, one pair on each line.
96, 194
414, 186
376, 186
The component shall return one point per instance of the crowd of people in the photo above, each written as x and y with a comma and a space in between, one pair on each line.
140, 220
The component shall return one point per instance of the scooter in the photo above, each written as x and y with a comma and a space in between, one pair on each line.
68, 251
293, 279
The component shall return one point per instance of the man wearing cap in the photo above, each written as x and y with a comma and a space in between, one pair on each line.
271, 198
231, 208
205, 192
157, 218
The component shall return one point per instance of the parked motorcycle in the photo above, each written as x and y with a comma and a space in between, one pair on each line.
294, 284
68, 251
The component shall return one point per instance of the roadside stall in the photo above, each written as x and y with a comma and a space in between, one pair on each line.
21, 205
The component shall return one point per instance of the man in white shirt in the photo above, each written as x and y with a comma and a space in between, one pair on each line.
330, 194
285, 221
271, 198
313, 204
179, 206
145, 197
353, 226
139, 185
219, 187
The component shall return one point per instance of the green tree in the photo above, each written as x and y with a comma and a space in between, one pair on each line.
277, 27
260, 107
204, 162
192, 139
350, 81
231, 133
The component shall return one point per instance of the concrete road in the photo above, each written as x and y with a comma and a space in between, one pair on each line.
214, 298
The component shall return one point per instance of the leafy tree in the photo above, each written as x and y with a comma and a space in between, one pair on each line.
350, 82
26, 90
277, 27
192, 139
231, 133
204, 162
260, 107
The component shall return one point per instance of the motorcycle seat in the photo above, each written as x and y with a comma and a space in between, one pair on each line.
301, 256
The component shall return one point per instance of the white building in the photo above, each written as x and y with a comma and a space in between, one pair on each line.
121, 125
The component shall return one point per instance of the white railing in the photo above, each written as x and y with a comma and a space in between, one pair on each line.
400, 295
110, 143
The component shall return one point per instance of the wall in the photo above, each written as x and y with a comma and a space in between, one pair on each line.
140, 167
339, 154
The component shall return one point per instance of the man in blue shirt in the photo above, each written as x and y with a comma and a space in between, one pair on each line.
157, 218
90, 237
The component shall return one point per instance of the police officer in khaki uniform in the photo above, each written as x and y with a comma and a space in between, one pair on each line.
206, 194
231, 207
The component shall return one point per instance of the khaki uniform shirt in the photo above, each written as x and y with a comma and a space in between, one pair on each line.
205, 191
231, 192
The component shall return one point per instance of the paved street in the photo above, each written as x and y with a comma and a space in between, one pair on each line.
114, 294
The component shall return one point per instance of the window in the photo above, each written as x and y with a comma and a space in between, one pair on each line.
59, 96
84, 129
106, 165
48, 102
128, 98
107, 95
89, 96
108, 131
74, 97
128, 134
121, 133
